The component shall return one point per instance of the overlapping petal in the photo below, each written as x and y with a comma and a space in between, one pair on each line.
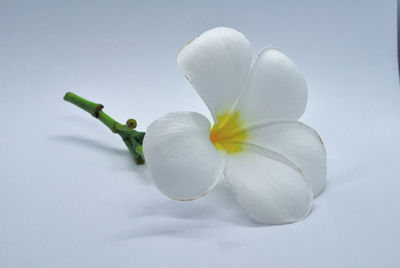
217, 64
183, 162
268, 186
297, 142
275, 89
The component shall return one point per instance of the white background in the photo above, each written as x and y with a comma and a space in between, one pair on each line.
70, 195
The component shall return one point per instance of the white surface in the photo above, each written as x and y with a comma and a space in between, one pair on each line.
70, 195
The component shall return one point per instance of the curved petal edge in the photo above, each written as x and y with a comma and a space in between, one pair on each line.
183, 162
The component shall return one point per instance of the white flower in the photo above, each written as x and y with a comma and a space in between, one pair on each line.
274, 164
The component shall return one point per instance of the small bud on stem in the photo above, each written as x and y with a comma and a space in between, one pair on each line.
133, 139
131, 123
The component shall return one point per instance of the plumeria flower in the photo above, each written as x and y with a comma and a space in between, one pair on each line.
274, 164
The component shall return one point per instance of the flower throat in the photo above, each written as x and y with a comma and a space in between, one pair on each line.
227, 133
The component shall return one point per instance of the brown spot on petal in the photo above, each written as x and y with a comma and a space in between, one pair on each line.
300, 170
320, 140
191, 199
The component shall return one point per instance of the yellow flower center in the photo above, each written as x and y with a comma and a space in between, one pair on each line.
227, 133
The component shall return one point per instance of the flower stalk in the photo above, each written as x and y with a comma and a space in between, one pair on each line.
133, 139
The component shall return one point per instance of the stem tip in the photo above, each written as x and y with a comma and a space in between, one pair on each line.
67, 95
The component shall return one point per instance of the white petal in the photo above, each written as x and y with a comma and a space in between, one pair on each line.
217, 64
297, 142
268, 186
183, 162
275, 89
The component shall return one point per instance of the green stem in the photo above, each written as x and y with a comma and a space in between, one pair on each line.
132, 139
